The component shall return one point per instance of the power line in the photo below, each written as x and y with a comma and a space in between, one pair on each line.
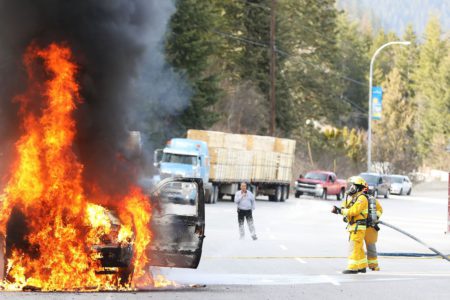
247, 40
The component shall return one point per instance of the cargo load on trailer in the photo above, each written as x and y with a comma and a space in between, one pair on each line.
264, 162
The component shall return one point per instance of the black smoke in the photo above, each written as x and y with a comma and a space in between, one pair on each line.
125, 82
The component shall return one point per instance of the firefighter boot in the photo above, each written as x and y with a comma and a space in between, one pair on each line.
350, 272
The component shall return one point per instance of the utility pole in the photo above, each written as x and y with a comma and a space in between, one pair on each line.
272, 69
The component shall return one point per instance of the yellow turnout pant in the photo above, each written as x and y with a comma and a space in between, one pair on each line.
357, 257
371, 240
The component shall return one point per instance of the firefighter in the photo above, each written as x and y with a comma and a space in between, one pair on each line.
355, 211
372, 232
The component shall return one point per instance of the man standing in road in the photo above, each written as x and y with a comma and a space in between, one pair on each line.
245, 201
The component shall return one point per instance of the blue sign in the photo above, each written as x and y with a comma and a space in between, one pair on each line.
377, 97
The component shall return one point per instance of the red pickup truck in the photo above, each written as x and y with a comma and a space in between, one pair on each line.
320, 184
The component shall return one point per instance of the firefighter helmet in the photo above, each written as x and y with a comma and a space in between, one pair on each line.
356, 184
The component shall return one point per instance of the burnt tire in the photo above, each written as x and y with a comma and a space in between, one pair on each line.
125, 275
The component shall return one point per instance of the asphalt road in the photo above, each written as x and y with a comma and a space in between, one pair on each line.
300, 252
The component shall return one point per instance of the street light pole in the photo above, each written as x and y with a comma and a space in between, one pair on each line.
369, 130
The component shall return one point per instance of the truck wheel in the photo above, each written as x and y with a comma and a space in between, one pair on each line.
207, 196
297, 194
272, 198
324, 194
285, 192
387, 194
278, 193
220, 196
341, 195
215, 195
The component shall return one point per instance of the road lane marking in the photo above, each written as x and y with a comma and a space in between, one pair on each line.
300, 260
283, 247
330, 280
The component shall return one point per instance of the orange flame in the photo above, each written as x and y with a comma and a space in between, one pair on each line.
46, 185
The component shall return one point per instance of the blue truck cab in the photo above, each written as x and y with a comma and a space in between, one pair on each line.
185, 158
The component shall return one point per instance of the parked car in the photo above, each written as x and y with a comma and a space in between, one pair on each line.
320, 184
400, 184
378, 184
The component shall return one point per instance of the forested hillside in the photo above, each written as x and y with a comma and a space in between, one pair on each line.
221, 48
397, 15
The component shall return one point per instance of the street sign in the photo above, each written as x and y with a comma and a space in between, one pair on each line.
377, 96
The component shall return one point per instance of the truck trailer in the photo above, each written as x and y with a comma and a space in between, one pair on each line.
224, 160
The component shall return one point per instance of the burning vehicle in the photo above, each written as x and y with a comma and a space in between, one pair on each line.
62, 231
178, 223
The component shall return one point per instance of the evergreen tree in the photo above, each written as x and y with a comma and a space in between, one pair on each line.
352, 63
192, 48
431, 89
394, 134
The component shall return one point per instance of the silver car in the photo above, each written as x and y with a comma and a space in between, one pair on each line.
400, 185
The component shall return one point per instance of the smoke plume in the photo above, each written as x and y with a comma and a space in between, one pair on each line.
125, 82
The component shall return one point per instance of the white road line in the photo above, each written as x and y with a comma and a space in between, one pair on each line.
330, 280
283, 247
300, 260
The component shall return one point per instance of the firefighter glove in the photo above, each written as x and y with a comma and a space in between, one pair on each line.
336, 210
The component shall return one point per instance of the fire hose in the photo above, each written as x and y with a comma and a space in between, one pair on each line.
414, 238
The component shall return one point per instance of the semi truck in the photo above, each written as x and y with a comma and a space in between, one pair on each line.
224, 160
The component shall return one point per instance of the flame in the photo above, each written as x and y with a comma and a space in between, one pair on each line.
160, 282
46, 185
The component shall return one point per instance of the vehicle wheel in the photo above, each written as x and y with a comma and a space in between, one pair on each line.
278, 193
375, 194
207, 196
272, 198
125, 275
341, 195
401, 192
215, 195
409, 192
220, 196
324, 194
232, 198
297, 194
387, 194
285, 192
